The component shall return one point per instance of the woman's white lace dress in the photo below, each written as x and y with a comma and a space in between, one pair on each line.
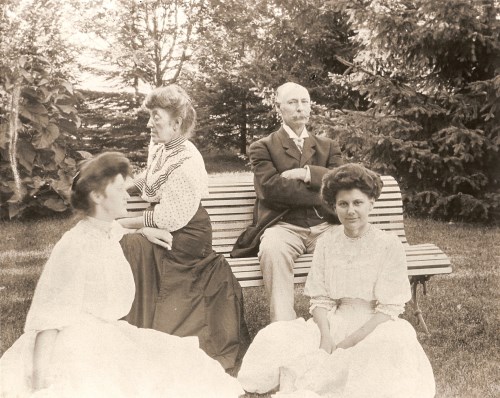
85, 288
352, 279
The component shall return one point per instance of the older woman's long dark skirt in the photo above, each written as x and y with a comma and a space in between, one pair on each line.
188, 291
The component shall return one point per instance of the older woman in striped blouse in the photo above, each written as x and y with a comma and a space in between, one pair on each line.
178, 276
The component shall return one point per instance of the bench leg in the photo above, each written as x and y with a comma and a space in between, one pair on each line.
415, 281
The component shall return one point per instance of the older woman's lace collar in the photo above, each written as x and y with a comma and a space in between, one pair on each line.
176, 142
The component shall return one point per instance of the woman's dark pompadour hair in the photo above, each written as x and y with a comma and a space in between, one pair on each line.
94, 175
350, 176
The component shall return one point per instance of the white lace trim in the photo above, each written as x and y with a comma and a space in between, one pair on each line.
322, 302
393, 310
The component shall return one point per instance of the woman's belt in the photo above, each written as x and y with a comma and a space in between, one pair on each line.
355, 301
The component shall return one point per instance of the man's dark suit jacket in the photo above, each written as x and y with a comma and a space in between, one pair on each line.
284, 199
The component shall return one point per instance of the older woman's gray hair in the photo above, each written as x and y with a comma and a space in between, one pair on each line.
350, 176
176, 102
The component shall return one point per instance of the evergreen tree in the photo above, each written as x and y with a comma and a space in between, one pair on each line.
428, 73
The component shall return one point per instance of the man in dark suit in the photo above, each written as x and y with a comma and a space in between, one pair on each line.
288, 166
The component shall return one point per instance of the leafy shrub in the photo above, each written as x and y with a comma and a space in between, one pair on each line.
37, 110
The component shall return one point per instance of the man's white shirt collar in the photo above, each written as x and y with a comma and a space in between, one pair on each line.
292, 134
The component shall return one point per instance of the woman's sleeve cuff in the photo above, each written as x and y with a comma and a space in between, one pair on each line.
322, 302
149, 219
139, 183
307, 179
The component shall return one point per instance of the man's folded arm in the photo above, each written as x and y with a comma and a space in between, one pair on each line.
271, 186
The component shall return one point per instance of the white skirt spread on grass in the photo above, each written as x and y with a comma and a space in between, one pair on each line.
388, 363
85, 288
116, 359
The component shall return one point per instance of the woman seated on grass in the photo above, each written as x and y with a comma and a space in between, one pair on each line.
74, 344
355, 346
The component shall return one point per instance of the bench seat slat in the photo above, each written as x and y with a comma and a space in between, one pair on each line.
302, 274
254, 270
430, 263
417, 249
438, 258
429, 271
421, 255
302, 279
415, 255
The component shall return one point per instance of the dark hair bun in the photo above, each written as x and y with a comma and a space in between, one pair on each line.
94, 175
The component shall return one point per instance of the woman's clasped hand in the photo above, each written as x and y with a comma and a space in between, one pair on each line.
160, 237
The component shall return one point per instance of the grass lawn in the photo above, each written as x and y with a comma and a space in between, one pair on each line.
461, 309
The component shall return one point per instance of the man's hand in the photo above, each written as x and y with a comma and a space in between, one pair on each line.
295, 174
158, 236
327, 343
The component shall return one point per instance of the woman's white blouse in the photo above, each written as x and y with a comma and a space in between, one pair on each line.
372, 268
176, 180
86, 276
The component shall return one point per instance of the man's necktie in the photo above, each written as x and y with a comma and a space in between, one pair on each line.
299, 142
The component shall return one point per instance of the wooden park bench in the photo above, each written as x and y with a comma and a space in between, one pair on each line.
230, 206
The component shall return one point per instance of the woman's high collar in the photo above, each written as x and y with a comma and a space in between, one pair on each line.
176, 142
98, 224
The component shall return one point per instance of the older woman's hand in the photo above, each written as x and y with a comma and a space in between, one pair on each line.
157, 236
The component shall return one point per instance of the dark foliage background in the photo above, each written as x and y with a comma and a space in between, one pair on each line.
409, 88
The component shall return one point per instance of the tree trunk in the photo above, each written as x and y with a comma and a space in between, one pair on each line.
243, 128
136, 91
13, 131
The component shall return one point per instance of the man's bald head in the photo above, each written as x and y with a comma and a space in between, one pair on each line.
293, 104
286, 88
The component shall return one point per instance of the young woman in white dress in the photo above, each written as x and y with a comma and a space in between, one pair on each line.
355, 345
75, 344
